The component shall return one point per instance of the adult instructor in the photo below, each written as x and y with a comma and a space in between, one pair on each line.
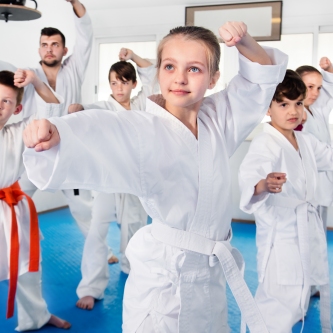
66, 78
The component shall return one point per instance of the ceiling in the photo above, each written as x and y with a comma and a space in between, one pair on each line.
102, 4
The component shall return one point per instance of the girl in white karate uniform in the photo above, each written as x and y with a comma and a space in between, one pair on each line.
107, 207
19, 234
175, 158
318, 105
278, 179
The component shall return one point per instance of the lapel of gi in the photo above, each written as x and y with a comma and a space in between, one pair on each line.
290, 161
200, 222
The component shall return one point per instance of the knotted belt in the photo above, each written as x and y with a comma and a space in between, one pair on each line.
230, 260
302, 208
12, 195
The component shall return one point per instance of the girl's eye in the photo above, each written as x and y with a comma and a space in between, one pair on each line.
284, 105
299, 103
310, 87
319, 88
194, 69
169, 67
6, 101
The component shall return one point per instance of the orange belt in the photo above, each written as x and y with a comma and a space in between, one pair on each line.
12, 195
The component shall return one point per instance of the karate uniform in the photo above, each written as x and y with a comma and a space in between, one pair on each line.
31, 307
69, 82
291, 243
107, 207
176, 282
317, 123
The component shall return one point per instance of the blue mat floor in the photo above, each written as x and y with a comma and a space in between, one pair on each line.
62, 250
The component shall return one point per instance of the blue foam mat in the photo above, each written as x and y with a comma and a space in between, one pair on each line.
62, 250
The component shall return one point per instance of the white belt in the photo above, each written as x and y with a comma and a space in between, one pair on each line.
222, 250
302, 208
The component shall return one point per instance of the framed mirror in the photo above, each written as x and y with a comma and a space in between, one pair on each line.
263, 19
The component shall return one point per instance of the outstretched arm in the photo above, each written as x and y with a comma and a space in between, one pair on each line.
78, 7
127, 54
24, 77
235, 34
90, 150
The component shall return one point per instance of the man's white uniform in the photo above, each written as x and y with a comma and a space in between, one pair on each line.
292, 250
317, 123
32, 309
180, 263
127, 208
69, 82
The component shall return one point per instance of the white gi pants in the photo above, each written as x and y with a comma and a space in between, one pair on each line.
280, 305
94, 266
79, 205
32, 310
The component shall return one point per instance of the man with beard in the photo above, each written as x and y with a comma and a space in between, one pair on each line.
66, 79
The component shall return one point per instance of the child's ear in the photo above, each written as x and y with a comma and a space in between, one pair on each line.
18, 109
135, 84
214, 80
268, 113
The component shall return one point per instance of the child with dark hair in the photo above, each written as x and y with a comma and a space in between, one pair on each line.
19, 234
278, 180
126, 208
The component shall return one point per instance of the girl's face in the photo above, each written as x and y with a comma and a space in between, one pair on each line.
184, 76
313, 82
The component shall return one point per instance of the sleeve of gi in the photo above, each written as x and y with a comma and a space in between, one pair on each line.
105, 159
150, 86
79, 59
257, 164
243, 104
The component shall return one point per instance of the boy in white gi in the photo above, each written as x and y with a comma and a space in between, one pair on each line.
129, 211
19, 233
66, 78
278, 179
175, 158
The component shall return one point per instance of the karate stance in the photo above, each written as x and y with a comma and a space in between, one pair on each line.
19, 234
175, 158
66, 79
127, 207
278, 180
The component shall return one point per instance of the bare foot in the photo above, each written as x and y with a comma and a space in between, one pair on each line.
113, 260
86, 303
58, 322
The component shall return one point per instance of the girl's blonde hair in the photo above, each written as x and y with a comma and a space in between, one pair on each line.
202, 35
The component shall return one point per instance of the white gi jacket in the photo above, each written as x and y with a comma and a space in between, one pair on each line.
318, 124
184, 185
11, 168
71, 74
289, 220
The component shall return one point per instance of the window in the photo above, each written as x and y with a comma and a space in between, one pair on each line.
108, 54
